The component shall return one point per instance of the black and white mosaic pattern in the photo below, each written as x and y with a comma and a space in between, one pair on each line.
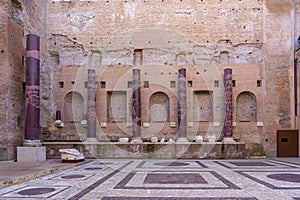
166, 180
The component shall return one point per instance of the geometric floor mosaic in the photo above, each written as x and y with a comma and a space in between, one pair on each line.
166, 180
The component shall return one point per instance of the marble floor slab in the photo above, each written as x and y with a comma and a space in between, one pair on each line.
166, 180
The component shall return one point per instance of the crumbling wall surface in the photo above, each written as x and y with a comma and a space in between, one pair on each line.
231, 33
279, 47
15, 96
18, 18
105, 33
3, 78
195, 33
205, 21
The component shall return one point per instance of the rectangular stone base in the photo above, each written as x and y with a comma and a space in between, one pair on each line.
31, 154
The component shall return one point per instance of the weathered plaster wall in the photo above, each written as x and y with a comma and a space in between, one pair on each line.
3, 77
206, 21
107, 32
279, 47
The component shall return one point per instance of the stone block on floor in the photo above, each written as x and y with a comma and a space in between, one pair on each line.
31, 154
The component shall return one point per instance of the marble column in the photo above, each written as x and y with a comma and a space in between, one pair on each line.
227, 129
32, 149
136, 106
91, 115
32, 122
182, 121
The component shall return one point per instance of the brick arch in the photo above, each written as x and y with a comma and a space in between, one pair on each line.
73, 107
159, 107
246, 107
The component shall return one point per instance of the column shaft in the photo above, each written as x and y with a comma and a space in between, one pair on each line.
227, 130
91, 115
182, 124
32, 123
136, 105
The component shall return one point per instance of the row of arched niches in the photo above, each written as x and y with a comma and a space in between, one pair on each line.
118, 107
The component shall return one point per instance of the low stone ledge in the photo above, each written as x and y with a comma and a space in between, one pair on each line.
148, 150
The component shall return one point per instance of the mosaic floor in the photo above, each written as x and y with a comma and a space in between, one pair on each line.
166, 180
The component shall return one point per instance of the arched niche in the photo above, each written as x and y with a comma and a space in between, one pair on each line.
246, 107
159, 106
117, 106
73, 107
203, 106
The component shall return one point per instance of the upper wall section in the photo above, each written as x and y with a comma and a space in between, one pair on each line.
31, 16
204, 21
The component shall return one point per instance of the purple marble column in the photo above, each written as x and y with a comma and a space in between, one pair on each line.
136, 105
227, 129
182, 124
91, 115
32, 122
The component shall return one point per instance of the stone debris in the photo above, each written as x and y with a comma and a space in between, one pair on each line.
71, 155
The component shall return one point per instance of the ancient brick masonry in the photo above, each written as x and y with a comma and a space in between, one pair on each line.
32, 129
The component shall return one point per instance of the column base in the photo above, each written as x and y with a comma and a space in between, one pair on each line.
91, 140
32, 143
136, 140
228, 140
182, 139
31, 154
